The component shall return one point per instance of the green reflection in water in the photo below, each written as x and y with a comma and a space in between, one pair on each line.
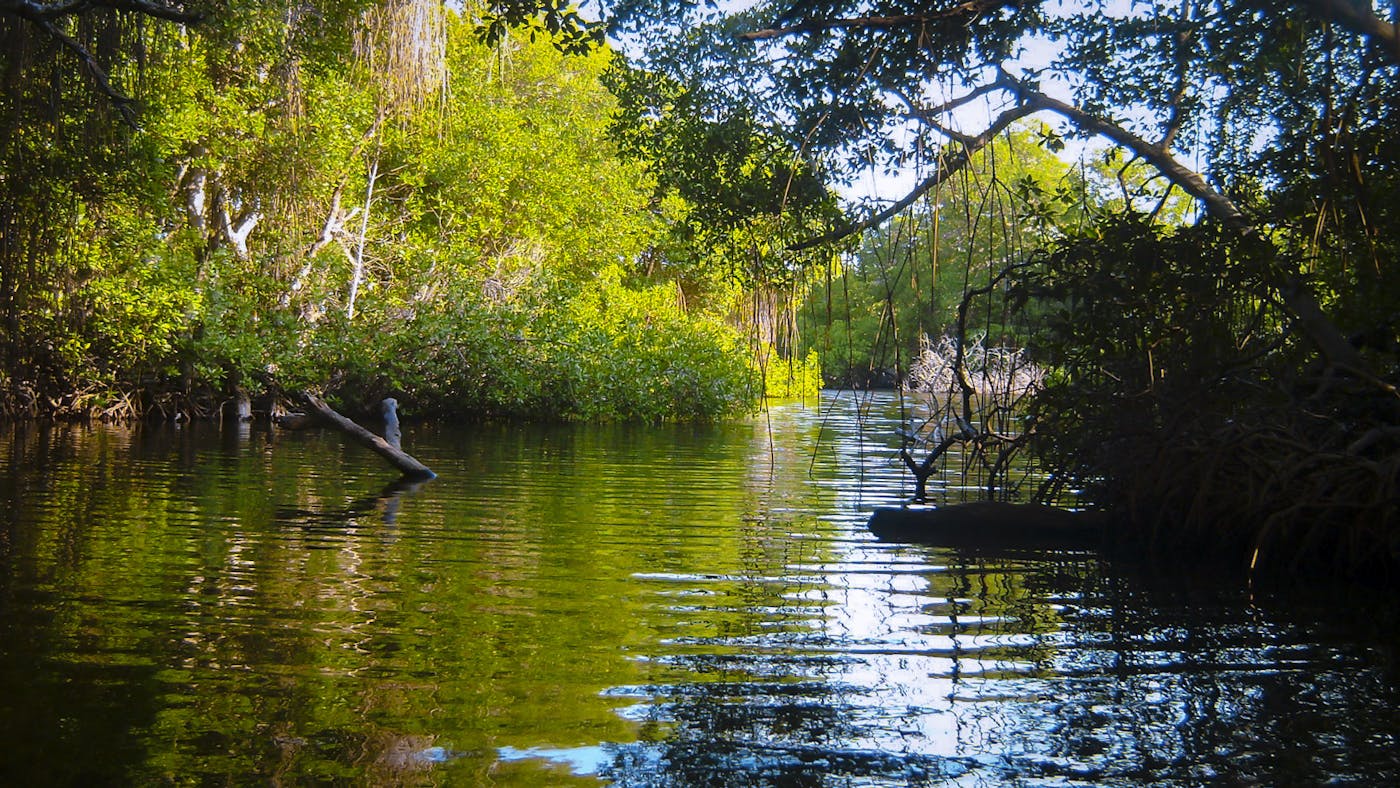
189, 603
672, 605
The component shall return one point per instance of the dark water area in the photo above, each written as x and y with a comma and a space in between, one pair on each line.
635, 606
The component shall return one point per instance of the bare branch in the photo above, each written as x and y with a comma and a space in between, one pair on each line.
408, 466
237, 229
928, 115
1123, 179
952, 104
952, 134
927, 118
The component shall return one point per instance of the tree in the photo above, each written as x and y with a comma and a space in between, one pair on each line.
1273, 117
845, 75
58, 20
734, 195
358, 196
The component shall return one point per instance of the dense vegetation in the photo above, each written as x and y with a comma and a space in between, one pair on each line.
363, 196
1218, 326
868, 314
359, 197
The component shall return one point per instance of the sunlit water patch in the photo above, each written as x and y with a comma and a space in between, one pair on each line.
583, 605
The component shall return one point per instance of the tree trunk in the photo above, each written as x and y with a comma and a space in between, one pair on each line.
357, 263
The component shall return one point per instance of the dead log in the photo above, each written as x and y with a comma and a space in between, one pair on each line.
411, 468
991, 525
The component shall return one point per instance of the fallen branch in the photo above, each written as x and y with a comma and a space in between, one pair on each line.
411, 468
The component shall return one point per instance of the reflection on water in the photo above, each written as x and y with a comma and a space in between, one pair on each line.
637, 606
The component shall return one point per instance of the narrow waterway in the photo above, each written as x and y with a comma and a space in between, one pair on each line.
671, 605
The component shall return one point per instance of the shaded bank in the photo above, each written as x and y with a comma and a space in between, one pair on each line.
1193, 404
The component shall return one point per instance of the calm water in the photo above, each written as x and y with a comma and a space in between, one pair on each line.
636, 606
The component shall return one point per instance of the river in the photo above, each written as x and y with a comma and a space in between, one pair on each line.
671, 605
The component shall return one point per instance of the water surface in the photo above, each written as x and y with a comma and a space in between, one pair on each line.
586, 605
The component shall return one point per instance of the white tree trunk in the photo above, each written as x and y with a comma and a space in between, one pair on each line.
357, 262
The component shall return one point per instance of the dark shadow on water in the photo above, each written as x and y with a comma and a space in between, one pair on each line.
387, 503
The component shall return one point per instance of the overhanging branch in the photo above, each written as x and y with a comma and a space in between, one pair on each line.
166, 11
946, 169
1358, 17
1190, 181
28, 9
47, 16
1313, 322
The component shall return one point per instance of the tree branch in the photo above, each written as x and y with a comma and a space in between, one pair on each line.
1217, 204
407, 465
946, 169
968, 98
928, 116
45, 15
1302, 301
968, 10
1184, 39
94, 69
166, 11
34, 12
1358, 17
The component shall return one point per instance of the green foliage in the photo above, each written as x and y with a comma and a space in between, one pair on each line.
798, 378
602, 352
637, 354
1173, 398
736, 193
336, 200
556, 20
139, 312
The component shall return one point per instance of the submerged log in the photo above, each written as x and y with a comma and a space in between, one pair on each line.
991, 525
295, 421
411, 468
